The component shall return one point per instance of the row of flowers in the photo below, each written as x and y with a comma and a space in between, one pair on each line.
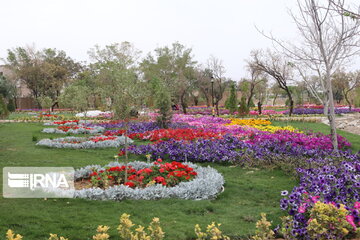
63, 122
74, 129
82, 142
233, 149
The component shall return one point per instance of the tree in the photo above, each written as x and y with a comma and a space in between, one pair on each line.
175, 67
278, 68
256, 78
7, 89
117, 71
340, 8
3, 109
276, 91
163, 103
243, 109
44, 72
75, 96
260, 92
344, 83
232, 100
329, 39
215, 70
203, 83
46, 102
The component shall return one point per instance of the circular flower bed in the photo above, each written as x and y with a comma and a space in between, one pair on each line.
74, 129
81, 142
204, 182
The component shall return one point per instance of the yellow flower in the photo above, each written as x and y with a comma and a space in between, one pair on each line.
248, 122
11, 236
102, 228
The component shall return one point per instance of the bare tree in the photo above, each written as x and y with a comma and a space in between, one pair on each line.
203, 83
341, 9
217, 71
329, 40
278, 68
256, 78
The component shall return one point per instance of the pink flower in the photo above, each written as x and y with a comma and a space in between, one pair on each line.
357, 205
302, 208
350, 219
315, 199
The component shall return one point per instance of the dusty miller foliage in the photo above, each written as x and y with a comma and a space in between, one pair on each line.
206, 185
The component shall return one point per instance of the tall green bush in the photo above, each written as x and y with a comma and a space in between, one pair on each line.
243, 109
11, 105
231, 102
163, 103
3, 109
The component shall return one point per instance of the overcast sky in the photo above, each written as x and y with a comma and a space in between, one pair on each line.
225, 29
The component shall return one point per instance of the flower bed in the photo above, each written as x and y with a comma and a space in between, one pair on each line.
309, 111
249, 122
308, 141
187, 134
336, 184
81, 142
206, 184
63, 123
168, 174
233, 149
74, 129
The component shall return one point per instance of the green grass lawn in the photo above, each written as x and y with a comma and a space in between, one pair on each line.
248, 192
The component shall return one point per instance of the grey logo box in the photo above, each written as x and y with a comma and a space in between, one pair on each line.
38, 182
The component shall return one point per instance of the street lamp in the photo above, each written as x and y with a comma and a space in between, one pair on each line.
212, 96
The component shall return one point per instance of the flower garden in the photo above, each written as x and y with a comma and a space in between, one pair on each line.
201, 169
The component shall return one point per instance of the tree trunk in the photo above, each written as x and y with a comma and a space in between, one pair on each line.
259, 108
291, 102
53, 106
331, 114
249, 99
273, 103
347, 100
126, 150
183, 104
196, 101
326, 107
217, 108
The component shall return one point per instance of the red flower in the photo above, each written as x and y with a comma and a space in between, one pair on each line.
159, 179
130, 184
132, 177
148, 170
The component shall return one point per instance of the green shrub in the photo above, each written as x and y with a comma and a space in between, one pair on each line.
3, 109
243, 109
231, 102
11, 105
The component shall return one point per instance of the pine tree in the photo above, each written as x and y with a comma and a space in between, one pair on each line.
231, 102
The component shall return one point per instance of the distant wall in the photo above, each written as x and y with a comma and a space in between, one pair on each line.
26, 103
